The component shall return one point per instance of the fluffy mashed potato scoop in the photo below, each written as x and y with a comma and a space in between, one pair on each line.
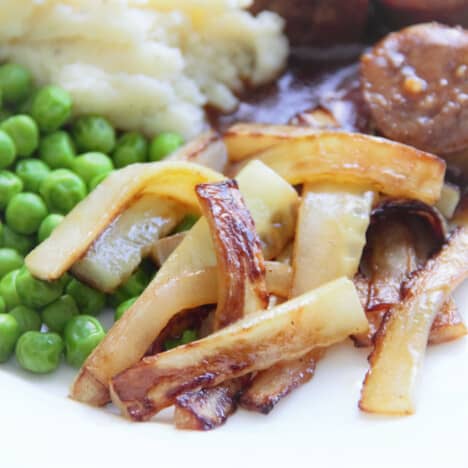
151, 65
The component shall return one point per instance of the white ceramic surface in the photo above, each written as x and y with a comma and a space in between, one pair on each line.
318, 425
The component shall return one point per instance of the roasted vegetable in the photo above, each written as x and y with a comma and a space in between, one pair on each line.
181, 283
73, 237
330, 237
118, 251
401, 341
241, 291
316, 319
302, 155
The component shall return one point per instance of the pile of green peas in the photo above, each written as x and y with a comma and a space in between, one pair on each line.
49, 162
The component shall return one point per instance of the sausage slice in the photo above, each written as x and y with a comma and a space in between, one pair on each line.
415, 82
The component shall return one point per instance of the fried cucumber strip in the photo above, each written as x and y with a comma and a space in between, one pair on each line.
401, 341
302, 155
330, 238
316, 319
241, 290
182, 282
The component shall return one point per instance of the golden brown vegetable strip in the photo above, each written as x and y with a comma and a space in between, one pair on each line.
82, 226
208, 408
273, 384
448, 325
379, 164
319, 318
241, 290
330, 237
401, 342
241, 267
182, 283
392, 257
244, 140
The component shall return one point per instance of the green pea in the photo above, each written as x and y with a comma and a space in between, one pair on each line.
57, 150
90, 165
57, 314
39, 352
28, 319
124, 307
82, 334
19, 242
7, 150
133, 287
24, 133
9, 333
187, 223
51, 108
163, 145
62, 190
34, 292
131, 148
15, 83
10, 260
8, 290
2, 305
32, 172
47, 226
89, 300
25, 213
95, 181
187, 337
10, 185
93, 133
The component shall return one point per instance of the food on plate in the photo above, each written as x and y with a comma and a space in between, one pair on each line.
151, 66
260, 340
313, 157
318, 23
404, 12
181, 282
242, 290
401, 341
172, 180
424, 106
237, 232
39, 352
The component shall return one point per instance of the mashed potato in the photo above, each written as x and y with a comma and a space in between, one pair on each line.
151, 65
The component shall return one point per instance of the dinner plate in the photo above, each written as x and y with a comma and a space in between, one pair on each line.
317, 425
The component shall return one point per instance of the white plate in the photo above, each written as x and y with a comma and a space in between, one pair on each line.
318, 425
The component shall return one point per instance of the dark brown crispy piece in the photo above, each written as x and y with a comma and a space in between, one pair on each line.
241, 290
396, 249
208, 408
241, 266
272, 385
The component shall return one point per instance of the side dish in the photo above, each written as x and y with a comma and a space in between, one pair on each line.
233, 252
